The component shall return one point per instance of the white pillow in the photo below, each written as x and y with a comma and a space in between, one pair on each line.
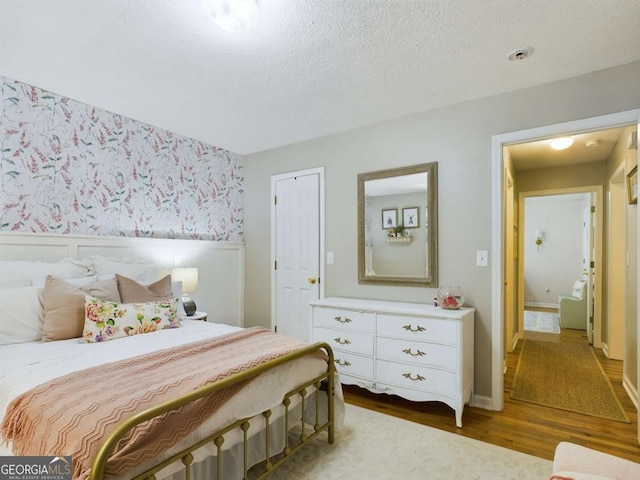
21, 315
78, 282
140, 271
578, 289
20, 273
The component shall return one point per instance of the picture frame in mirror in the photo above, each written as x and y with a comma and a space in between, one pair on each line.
389, 218
410, 217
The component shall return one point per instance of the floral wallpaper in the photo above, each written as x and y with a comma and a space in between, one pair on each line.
70, 168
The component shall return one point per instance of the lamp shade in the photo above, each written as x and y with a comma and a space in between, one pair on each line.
188, 277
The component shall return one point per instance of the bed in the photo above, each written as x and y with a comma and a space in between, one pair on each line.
222, 420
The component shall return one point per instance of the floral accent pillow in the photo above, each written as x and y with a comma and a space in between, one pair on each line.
106, 320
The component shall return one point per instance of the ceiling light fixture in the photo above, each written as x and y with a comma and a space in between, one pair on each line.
521, 53
561, 143
234, 15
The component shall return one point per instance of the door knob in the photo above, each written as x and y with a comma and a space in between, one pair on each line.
311, 280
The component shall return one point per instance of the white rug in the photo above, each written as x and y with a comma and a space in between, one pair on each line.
544, 322
373, 445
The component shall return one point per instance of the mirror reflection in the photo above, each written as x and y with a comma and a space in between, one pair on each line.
397, 226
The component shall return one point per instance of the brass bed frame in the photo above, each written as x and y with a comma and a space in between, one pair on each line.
325, 381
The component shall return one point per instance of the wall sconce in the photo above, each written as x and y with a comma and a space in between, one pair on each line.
189, 279
539, 234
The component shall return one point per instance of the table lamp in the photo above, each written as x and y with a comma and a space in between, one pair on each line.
189, 279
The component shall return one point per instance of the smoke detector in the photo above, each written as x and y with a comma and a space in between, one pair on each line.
592, 143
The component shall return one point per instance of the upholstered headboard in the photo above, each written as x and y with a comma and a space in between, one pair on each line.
221, 264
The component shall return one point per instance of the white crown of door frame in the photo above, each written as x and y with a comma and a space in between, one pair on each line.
497, 142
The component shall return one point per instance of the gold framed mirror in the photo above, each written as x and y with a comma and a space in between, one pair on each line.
398, 226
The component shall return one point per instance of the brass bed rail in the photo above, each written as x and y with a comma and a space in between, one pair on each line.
272, 460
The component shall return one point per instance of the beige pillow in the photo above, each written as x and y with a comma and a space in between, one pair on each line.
63, 305
134, 292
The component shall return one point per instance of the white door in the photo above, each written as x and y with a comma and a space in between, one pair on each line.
297, 252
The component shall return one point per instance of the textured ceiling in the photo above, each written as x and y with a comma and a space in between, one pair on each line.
311, 67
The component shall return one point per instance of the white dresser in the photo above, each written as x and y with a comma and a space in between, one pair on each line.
416, 351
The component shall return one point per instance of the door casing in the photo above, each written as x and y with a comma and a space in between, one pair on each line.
497, 192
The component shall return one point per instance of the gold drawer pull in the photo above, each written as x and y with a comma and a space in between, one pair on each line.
339, 319
342, 342
341, 363
419, 378
418, 353
417, 329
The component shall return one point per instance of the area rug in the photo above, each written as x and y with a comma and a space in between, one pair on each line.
544, 322
372, 445
565, 376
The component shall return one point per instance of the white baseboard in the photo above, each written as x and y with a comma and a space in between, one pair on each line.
541, 305
481, 401
631, 391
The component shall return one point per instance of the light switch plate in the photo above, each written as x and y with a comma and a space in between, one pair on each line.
329, 258
482, 258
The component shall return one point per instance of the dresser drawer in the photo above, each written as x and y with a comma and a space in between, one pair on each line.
427, 354
344, 319
345, 340
417, 378
415, 328
355, 365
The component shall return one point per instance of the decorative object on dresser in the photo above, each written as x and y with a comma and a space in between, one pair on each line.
416, 351
189, 279
450, 297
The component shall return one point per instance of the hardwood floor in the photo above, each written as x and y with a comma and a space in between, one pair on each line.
521, 426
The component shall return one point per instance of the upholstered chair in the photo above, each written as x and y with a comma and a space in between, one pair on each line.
572, 308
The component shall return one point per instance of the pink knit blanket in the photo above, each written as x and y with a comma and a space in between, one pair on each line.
73, 414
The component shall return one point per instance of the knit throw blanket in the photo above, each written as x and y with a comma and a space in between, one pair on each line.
73, 414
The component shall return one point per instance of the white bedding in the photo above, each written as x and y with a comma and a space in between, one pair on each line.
25, 365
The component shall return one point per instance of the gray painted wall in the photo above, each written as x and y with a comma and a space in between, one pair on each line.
459, 139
